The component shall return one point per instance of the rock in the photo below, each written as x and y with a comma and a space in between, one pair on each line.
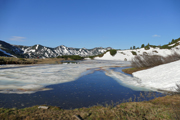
43, 107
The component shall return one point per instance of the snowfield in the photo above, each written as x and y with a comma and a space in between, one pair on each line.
164, 77
126, 55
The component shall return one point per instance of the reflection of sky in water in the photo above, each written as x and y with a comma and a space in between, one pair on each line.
88, 90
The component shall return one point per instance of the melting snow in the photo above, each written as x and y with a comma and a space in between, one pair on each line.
164, 77
124, 55
37, 77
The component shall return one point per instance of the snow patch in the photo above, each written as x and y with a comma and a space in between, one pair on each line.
37, 47
164, 77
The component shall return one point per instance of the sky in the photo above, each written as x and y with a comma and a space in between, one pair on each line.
119, 24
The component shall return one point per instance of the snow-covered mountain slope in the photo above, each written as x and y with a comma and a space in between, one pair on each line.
164, 77
40, 51
128, 55
7, 49
46, 52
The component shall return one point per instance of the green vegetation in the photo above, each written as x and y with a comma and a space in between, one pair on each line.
134, 53
166, 46
134, 47
147, 47
142, 45
174, 41
113, 52
73, 57
100, 55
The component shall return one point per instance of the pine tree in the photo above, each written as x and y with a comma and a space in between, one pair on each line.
134, 47
142, 45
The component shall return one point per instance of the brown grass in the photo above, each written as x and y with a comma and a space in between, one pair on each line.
12, 60
162, 108
131, 70
49, 61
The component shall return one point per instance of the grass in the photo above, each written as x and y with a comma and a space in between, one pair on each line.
131, 70
159, 108
12, 60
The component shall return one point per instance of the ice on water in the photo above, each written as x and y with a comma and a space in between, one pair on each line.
35, 78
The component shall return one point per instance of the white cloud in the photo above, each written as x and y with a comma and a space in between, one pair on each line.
156, 35
17, 38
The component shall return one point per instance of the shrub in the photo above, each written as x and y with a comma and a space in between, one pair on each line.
113, 52
123, 53
92, 57
134, 53
73, 57
165, 47
142, 45
76, 57
155, 51
147, 47
101, 55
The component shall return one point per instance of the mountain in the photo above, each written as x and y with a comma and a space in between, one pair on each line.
7, 49
40, 51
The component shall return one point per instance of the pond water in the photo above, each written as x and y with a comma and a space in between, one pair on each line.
92, 88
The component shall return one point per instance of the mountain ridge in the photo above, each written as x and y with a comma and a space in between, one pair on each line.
40, 51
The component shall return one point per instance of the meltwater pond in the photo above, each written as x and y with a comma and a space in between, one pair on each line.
88, 90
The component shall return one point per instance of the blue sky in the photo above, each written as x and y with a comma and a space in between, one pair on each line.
119, 24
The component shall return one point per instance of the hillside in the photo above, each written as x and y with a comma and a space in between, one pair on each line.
9, 50
128, 55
